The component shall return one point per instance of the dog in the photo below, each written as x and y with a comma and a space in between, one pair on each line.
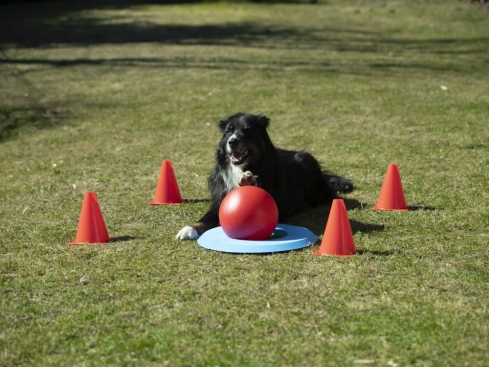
246, 156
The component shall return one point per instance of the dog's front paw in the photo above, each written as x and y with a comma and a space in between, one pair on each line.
187, 233
247, 179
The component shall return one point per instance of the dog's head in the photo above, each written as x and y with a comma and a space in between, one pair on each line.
245, 138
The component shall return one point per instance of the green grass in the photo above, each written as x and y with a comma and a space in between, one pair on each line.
106, 92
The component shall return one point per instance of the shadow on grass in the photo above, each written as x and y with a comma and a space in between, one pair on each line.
87, 32
420, 207
51, 24
68, 23
125, 238
30, 117
198, 200
376, 253
315, 219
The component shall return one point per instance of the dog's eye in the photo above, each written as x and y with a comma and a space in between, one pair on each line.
246, 130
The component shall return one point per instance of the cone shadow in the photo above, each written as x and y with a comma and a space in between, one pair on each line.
421, 207
376, 252
124, 238
365, 227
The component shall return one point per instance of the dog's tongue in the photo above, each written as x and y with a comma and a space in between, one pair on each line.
236, 157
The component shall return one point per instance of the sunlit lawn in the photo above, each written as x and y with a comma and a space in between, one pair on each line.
94, 97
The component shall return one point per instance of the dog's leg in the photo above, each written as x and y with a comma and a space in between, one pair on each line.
247, 179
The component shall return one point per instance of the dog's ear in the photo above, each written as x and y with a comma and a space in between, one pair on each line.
263, 121
222, 125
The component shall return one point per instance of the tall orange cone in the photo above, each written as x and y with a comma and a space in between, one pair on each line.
337, 238
91, 227
391, 195
167, 191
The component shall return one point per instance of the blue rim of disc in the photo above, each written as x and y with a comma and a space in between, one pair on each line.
286, 237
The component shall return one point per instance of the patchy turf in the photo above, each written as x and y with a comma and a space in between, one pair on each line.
96, 95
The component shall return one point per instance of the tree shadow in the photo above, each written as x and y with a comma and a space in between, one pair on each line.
29, 116
69, 23
72, 24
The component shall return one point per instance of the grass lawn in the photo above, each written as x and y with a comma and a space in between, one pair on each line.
95, 95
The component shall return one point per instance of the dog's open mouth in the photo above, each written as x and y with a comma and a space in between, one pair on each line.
239, 157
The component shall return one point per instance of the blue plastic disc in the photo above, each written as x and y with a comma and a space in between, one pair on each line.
285, 238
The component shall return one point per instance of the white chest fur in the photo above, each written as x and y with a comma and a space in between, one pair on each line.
232, 175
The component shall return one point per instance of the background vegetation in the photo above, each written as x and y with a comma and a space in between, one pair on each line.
95, 95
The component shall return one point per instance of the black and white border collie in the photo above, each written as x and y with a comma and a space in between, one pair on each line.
246, 156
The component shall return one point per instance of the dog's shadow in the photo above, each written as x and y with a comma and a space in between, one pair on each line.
315, 219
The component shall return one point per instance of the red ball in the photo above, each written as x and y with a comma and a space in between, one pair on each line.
248, 213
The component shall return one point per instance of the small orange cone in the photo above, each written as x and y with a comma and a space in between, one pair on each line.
91, 227
337, 238
391, 195
167, 191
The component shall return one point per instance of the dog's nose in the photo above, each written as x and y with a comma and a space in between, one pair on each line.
233, 142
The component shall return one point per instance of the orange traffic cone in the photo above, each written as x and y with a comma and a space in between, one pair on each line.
391, 195
91, 227
337, 238
167, 191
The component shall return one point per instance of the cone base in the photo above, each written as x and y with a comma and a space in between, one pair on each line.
75, 242
156, 202
322, 253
